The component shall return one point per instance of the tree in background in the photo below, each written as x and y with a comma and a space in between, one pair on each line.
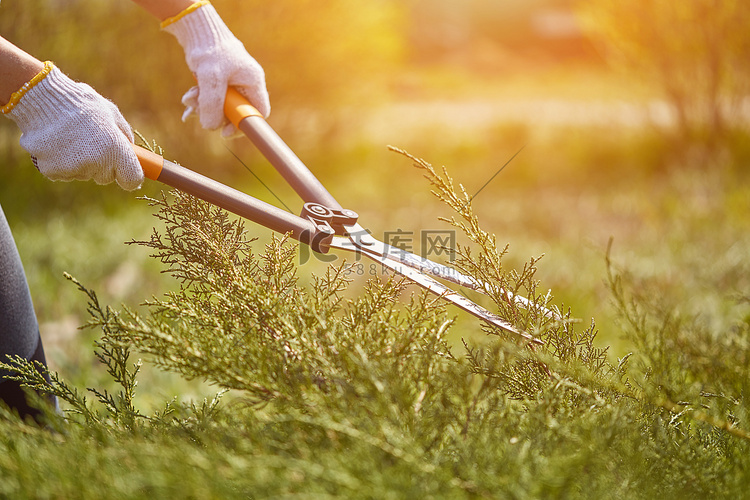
696, 51
323, 52
500, 37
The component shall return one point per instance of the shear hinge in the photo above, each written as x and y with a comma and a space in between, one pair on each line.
329, 220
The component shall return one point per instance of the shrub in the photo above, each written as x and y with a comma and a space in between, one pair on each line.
365, 397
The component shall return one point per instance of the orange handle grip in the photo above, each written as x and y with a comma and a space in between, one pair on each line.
237, 108
151, 163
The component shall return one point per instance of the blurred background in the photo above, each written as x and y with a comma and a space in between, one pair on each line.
631, 119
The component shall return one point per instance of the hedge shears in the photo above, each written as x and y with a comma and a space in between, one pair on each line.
324, 224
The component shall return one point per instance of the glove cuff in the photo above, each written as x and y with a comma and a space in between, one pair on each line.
51, 96
193, 7
17, 95
198, 26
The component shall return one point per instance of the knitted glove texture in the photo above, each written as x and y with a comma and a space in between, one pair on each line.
218, 60
73, 133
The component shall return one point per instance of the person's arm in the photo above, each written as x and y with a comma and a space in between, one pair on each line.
16, 68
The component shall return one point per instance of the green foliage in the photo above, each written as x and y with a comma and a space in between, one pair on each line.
364, 397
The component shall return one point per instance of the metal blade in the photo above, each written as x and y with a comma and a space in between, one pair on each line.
434, 287
449, 274
362, 239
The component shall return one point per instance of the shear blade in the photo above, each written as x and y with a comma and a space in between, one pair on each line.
449, 274
434, 287
361, 239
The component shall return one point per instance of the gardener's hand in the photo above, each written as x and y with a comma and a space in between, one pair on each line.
218, 60
73, 133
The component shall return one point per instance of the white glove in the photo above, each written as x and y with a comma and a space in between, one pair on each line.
218, 60
73, 133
